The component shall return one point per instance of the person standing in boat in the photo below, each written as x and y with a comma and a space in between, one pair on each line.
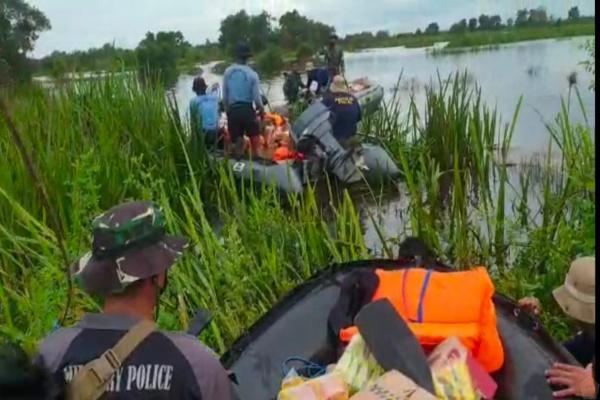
577, 298
317, 75
345, 112
204, 114
292, 85
334, 57
242, 100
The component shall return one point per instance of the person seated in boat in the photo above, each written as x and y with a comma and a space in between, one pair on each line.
284, 148
242, 101
204, 114
345, 112
127, 268
275, 134
292, 85
576, 297
320, 76
276, 119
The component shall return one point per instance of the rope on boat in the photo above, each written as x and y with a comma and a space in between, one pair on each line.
309, 369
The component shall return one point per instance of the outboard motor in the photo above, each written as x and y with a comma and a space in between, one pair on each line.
312, 133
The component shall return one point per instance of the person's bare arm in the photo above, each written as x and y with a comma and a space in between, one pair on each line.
225, 92
256, 94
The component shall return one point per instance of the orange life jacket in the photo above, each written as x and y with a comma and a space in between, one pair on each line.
283, 153
277, 119
437, 305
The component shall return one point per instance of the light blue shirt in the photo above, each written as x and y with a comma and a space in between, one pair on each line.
241, 85
205, 109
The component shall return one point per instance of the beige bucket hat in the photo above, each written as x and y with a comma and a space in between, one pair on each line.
577, 296
338, 85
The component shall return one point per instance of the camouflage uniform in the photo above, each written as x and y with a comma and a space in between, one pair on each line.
291, 87
130, 244
334, 58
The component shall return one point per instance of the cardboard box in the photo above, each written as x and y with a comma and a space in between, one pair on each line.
393, 385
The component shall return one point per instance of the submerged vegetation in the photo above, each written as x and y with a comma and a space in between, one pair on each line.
100, 142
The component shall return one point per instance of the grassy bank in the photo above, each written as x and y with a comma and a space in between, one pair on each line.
101, 142
520, 35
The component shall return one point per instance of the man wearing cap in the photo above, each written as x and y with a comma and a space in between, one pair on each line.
334, 57
577, 298
345, 112
127, 268
241, 93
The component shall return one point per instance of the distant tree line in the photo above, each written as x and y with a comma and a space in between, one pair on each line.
524, 18
162, 53
295, 37
292, 38
105, 58
295, 32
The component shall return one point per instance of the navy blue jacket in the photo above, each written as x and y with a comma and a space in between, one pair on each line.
345, 114
319, 75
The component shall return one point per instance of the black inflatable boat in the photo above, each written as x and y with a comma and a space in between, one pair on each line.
287, 177
312, 133
297, 326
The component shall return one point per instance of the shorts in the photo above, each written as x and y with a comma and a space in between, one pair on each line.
242, 120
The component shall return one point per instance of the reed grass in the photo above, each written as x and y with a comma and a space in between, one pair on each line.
98, 143
525, 222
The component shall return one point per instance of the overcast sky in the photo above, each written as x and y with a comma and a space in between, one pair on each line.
80, 24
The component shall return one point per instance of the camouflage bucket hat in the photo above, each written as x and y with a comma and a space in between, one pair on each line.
129, 244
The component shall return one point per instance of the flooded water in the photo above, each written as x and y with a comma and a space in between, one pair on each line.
536, 70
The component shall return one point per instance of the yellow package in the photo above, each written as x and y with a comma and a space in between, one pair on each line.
326, 387
292, 379
454, 382
358, 366
450, 372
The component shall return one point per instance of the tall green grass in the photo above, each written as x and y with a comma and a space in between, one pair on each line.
101, 142
470, 202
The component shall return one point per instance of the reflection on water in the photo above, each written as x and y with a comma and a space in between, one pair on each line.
537, 70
